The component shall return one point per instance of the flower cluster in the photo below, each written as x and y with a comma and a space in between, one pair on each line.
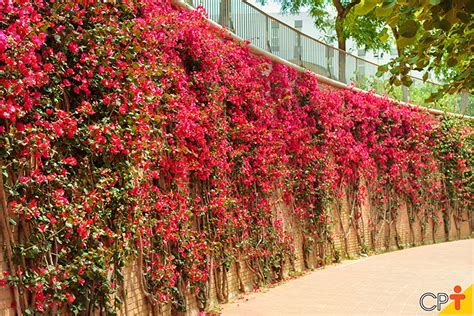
134, 131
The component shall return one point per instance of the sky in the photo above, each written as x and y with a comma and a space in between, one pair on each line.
270, 7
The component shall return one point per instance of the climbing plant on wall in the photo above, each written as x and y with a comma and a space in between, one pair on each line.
133, 132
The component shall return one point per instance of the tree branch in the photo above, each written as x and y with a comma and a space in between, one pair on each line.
342, 10
339, 6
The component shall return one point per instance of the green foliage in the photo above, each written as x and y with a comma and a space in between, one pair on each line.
364, 30
367, 32
419, 94
435, 36
454, 145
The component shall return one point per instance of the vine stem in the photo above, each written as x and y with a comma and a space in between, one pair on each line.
8, 239
149, 297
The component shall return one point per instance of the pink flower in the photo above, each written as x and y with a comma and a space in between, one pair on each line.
58, 195
3, 41
73, 47
70, 161
70, 297
48, 67
66, 83
25, 180
37, 41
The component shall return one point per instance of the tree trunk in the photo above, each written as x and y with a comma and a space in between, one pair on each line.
464, 106
405, 91
225, 14
341, 44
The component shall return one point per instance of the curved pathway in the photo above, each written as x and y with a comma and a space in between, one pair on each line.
386, 284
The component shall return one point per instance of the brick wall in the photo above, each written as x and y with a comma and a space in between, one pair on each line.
6, 297
383, 241
135, 302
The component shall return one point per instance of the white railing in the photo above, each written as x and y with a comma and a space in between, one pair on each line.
280, 39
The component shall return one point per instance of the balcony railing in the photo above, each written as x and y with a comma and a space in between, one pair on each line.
268, 33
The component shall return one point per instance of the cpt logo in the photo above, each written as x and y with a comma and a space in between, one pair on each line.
429, 301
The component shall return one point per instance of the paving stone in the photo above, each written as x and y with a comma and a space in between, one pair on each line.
386, 284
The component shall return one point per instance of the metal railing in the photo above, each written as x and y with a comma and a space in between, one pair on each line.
272, 35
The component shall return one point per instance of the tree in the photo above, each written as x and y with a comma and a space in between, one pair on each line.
366, 30
408, 15
433, 36
225, 19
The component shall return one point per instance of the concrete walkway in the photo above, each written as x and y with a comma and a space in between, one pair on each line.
386, 284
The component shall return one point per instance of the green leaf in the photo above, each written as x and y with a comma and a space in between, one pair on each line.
452, 62
382, 12
414, 59
435, 2
384, 37
407, 81
444, 24
365, 6
463, 17
425, 76
389, 4
403, 41
382, 68
408, 29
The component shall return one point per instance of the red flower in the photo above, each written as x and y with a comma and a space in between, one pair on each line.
37, 41
25, 180
70, 298
73, 47
48, 67
70, 161
3, 41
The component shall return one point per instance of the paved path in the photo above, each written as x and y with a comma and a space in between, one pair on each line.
386, 284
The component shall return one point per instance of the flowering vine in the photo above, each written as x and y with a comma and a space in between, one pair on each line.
132, 131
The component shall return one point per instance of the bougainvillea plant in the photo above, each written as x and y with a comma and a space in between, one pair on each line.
131, 131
